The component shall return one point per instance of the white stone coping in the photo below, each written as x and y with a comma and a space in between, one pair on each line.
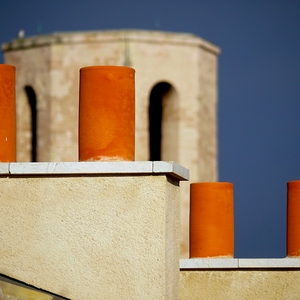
4, 168
125, 167
208, 263
239, 263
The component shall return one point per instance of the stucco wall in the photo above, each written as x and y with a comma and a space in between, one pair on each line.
92, 234
250, 284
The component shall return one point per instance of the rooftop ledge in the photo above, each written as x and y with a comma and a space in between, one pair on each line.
104, 168
239, 263
131, 35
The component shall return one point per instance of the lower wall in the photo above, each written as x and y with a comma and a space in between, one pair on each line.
92, 230
253, 283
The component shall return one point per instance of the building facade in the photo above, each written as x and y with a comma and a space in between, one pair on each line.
176, 97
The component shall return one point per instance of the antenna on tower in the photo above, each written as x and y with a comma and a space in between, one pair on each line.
21, 34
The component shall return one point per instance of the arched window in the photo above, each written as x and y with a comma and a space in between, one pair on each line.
31, 96
163, 123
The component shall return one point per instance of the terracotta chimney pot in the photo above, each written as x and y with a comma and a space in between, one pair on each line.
211, 220
107, 113
293, 218
7, 113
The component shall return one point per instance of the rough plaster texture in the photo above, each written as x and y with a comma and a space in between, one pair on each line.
51, 63
260, 284
92, 236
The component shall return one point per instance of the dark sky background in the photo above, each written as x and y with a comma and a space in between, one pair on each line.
259, 89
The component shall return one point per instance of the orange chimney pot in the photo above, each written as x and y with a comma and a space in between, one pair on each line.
107, 113
7, 113
293, 218
211, 219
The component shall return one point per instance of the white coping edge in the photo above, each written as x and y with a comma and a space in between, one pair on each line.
239, 263
4, 168
208, 263
171, 167
125, 167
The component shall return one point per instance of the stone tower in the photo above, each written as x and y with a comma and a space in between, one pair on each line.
176, 97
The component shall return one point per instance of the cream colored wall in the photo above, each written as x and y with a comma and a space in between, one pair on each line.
187, 62
237, 284
207, 123
91, 235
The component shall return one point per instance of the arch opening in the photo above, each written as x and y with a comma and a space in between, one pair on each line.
32, 101
163, 122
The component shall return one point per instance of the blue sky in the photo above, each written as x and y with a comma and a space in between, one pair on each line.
259, 89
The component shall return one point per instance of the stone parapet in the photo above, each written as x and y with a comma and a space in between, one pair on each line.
237, 278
